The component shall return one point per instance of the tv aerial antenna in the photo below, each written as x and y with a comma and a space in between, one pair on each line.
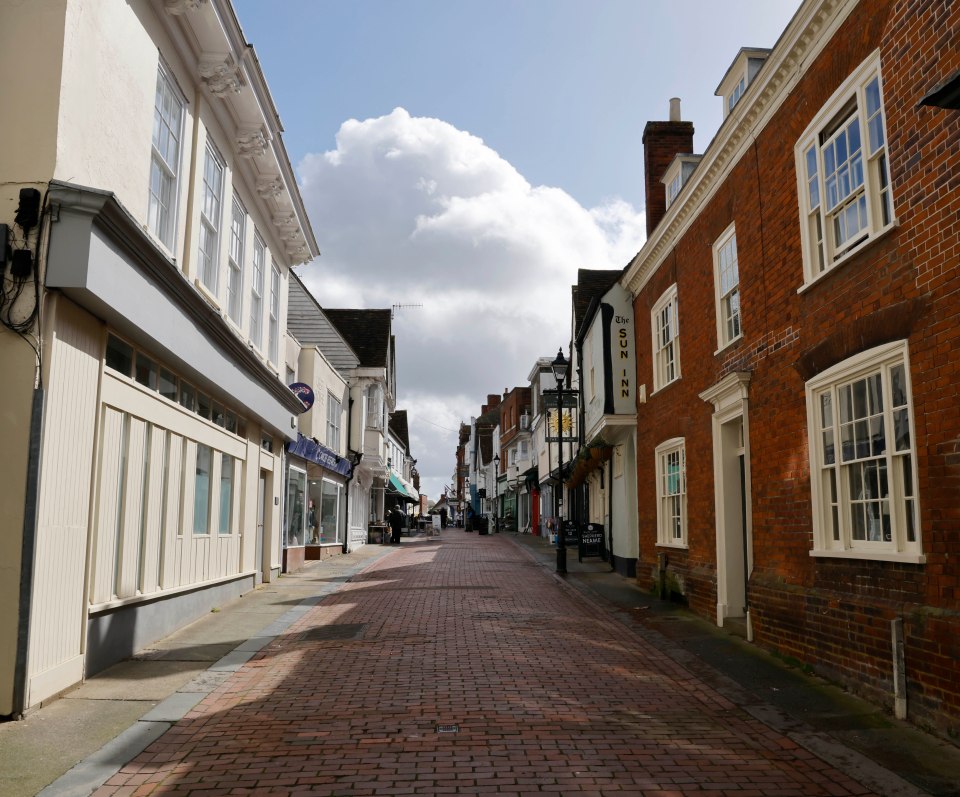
395, 307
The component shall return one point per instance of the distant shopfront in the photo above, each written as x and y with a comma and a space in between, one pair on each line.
316, 508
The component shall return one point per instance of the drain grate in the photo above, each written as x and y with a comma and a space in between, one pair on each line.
332, 633
448, 729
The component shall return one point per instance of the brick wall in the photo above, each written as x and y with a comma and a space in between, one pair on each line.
834, 614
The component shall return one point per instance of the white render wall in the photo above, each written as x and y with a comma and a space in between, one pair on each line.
315, 370
114, 529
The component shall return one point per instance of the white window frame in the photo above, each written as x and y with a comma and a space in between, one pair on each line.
726, 281
672, 493
738, 91
211, 219
259, 261
861, 184
273, 326
165, 158
665, 338
374, 414
674, 186
227, 481
203, 481
832, 471
235, 261
334, 409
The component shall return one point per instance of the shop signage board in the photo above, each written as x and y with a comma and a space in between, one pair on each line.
592, 542
550, 399
571, 532
303, 392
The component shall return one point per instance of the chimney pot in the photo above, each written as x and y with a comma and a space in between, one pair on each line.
675, 109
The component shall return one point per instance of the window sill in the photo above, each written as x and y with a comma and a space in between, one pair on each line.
728, 345
849, 256
877, 556
207, 293
677, 546
664, 387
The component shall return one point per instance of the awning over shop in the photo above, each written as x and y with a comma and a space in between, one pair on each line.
531, 477
396, 486
312, 451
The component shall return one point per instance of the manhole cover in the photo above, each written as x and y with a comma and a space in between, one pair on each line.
330, 633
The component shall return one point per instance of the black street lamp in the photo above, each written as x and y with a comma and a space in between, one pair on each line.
559, 367
496, 490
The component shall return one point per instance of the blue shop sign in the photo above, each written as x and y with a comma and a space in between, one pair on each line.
307, 449
303, 392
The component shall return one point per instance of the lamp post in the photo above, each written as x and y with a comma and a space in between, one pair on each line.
559, 367
496, 491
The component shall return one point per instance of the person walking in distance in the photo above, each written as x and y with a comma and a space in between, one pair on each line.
396, 523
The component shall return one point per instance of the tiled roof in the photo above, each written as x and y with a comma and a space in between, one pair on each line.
398, 425
590, 284
307, 322
367, 332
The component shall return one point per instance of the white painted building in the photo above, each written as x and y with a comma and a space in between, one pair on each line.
154, 218
607, 464
359, 344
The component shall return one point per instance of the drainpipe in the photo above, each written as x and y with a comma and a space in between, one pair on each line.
353, 466
613, 566
27, 551
899, 669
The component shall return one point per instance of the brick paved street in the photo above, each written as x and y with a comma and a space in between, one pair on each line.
468, 633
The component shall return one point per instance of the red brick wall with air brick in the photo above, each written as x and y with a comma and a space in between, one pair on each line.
833, 613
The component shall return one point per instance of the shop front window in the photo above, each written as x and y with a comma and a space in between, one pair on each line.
330, 500
296, 500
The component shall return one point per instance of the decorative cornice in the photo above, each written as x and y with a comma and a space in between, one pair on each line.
286, 220
178, 7
221, 75
251, 142
270, 187
812, 27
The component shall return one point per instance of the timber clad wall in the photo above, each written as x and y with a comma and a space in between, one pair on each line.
834, 613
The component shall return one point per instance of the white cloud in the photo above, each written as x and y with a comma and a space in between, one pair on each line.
412, 210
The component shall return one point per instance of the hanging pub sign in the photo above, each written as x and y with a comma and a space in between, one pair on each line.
571, 532
303, 392
592, 542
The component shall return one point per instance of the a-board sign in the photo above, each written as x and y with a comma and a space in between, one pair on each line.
571, 532
592, 542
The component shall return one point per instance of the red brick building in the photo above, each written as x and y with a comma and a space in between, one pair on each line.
797, 305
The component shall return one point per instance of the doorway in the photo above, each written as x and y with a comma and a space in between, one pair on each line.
731, 484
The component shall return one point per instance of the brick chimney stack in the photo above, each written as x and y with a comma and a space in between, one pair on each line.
662, 142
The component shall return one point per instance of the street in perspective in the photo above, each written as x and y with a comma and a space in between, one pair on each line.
460, 663
502, 397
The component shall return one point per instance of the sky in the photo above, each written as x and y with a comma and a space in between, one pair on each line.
464, 158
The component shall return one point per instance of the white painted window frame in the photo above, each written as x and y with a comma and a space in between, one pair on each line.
725, 254
667, 512
163, 224
236, 260
821, 253
259, 262
828, 542
273, 325
666, 352
334, 410
211, 219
